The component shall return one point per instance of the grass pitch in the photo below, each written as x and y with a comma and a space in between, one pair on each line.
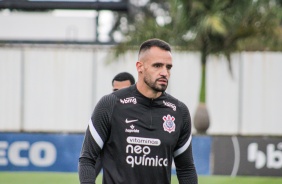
72, 178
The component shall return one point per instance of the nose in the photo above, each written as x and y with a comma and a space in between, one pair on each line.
164, 72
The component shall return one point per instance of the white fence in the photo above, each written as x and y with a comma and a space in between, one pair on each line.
55, 88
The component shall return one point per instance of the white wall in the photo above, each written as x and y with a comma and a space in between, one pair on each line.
55, 88
223, 94
46, 26
262, 93
10, 89
251, 101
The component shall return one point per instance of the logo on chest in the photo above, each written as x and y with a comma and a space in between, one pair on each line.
128, 100
169, 124
171, 105
132, 129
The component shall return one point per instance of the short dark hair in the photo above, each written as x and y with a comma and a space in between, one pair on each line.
123, 76
154, 42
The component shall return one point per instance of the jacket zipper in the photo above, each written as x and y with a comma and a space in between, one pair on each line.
151, 102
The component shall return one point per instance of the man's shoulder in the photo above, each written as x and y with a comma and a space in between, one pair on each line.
124, 92
107, 100
175, 101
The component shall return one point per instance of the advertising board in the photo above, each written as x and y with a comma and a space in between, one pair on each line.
258, 156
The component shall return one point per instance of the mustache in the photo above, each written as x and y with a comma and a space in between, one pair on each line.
162, 78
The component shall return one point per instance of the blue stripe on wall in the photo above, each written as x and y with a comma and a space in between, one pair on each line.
60, 152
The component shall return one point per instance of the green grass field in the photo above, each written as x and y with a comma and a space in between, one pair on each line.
72, 178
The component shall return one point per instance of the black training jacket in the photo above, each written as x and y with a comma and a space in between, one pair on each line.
138, 138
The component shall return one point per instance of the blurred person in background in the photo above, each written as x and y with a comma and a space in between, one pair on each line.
121, 80
140, 129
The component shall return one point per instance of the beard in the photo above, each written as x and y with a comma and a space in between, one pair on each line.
153, 84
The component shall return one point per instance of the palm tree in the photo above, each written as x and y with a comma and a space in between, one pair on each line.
207, 26
222, 27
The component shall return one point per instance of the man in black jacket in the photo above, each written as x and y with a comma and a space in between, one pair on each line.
139, 130
120, 81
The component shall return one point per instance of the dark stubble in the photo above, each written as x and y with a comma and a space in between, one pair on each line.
154, 85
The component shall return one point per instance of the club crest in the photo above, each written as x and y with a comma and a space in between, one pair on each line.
169, 124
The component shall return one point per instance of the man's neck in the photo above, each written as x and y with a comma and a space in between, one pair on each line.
148, 92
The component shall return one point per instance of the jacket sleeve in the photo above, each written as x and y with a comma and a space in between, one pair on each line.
98, 166
95, 136
183, 157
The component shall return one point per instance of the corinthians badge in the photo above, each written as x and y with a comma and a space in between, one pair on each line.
169, 124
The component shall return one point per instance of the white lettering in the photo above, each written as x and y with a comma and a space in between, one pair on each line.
130, 160
138, 162
129, 147
129, 100
272, 158
142, 157
160, 162
165, 162
150, 161
14, 153
3, 147
21, 153
146, 161
146, 150
171, 105
48, 152
132, 130
137, 149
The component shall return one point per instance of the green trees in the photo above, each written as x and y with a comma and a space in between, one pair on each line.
225, 27
207, 26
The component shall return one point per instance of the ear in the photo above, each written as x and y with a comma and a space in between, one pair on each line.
139, 66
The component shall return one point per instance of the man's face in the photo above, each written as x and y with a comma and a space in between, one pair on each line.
120, 84
156, 65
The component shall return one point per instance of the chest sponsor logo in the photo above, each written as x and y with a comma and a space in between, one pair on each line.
128, 100
139, 153
132, 129
169, 124
143, 141
171, 105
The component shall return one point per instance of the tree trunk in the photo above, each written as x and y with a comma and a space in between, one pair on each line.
201, 118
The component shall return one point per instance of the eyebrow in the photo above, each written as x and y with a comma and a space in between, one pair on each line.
159, 63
